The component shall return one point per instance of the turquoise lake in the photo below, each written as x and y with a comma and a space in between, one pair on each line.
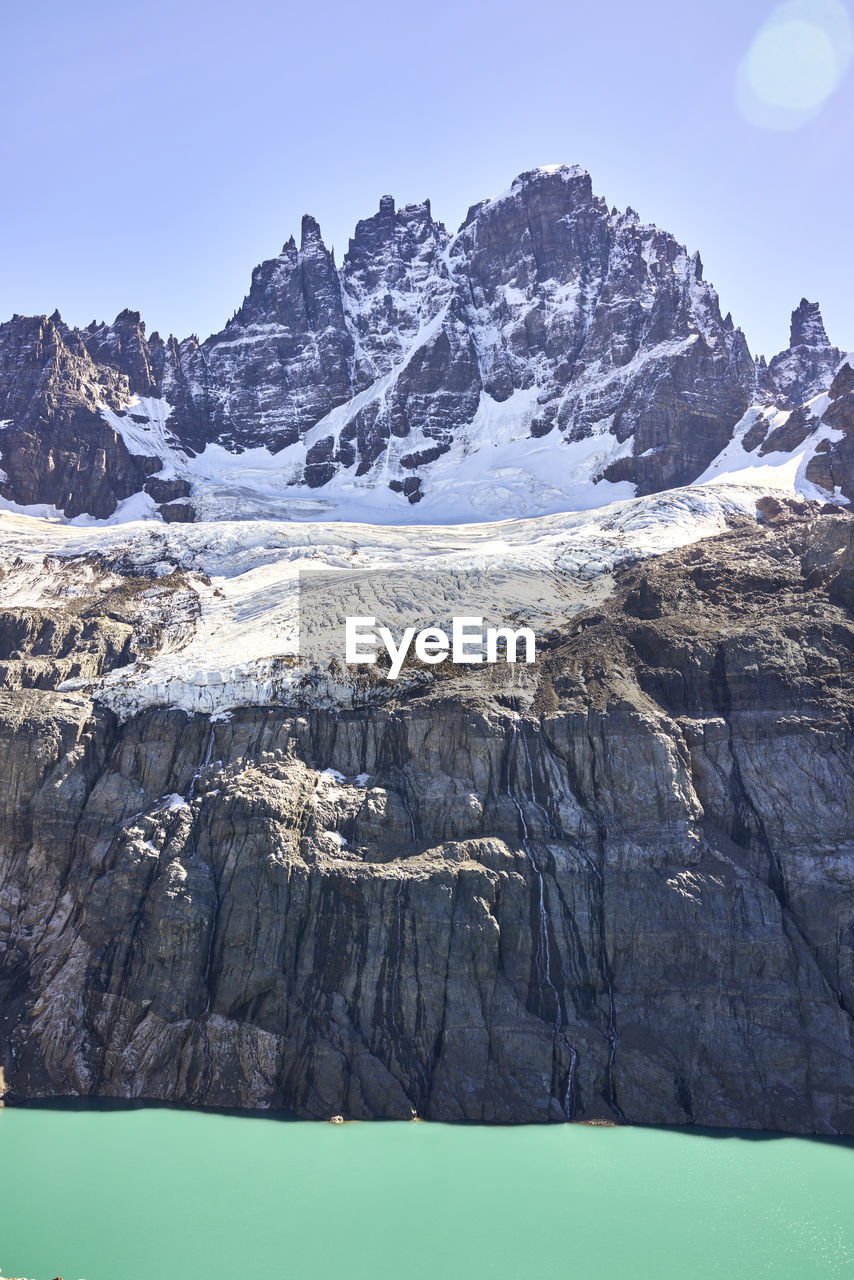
160, 1193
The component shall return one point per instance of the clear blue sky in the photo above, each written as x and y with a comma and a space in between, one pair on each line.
152, 153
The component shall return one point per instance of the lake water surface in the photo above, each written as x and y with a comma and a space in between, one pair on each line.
163, 1194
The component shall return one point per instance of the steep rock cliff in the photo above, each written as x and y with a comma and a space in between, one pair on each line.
622, 892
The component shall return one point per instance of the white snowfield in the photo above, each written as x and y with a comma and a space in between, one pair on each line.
494, 465
229, 615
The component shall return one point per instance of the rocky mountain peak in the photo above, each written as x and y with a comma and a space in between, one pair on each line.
123, 345
389, 279
570, 173
807, 366
427, 363
576, 183
309, 231
127, 319
407, 228
807, 327
568, 183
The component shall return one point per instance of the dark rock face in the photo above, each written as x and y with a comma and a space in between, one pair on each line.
603, 325
631, 900
56, 446
832, 466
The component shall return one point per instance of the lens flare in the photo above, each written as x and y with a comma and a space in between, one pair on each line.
798, 58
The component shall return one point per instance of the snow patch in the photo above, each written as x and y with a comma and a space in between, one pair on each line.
332, 775
142, 427
171, 802
778, 470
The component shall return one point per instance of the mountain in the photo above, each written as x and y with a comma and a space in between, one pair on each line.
611, 884
553, 354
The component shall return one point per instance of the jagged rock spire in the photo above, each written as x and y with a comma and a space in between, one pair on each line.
310, 231
807, 328
806, 367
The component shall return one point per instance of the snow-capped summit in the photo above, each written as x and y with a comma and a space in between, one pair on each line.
553, 354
